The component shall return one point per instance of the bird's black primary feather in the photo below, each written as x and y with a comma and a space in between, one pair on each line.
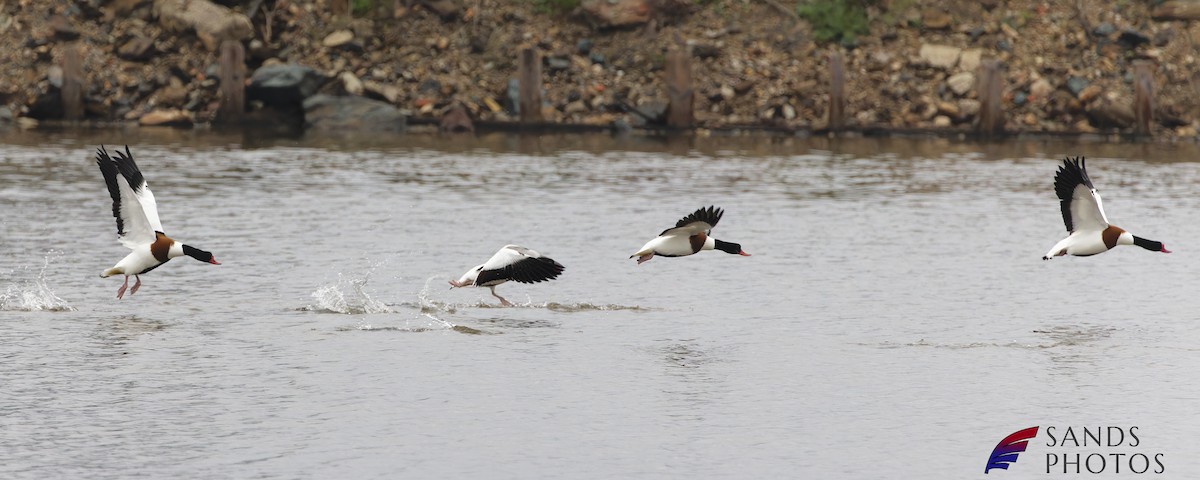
1071, 174
529, 270
710, 215
130, 170
108, 167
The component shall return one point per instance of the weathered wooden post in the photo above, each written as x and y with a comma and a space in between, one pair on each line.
233, 82
72, 83
680, 95
837, 91
530, 75
339, 7
1143, 97
989, 87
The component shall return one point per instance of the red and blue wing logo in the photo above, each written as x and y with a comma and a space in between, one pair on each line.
1007, 450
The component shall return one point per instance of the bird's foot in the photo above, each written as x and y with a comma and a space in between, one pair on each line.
121, 291
136, 285
645, 258
506, 303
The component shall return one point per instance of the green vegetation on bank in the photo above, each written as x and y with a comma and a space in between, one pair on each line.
835, 20
361, 7
554, 6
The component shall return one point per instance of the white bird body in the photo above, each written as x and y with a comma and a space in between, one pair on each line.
674, 245
1083, 213
1082, 243
141, 260
512, 262
468, 278
138, 225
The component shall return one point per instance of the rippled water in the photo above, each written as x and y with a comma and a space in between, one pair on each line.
894, 321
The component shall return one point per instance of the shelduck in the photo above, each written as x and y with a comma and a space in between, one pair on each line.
690, 236
1083, 213
513, 262
138, 226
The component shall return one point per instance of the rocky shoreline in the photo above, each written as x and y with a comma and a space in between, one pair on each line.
759, 65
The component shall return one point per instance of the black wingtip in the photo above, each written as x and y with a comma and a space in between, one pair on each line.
710, 215
110, 170
1072, 173
534, 270
1076, 169
129, 169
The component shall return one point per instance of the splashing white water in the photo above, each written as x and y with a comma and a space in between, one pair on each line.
33, 295
428, 304
348, 296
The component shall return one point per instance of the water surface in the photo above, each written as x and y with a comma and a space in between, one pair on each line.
894, 321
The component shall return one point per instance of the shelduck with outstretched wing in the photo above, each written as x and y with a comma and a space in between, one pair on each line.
1083, 214
690, 235
138, 226
513, 262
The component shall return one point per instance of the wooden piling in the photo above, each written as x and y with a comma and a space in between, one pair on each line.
680, 94
837, 91
72, 83
1143, 97
989, 87
233, 82
530, 77
339, 7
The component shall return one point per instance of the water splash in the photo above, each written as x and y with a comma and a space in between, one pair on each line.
439, 321
366, 327
429, 305
348, 296
34, 295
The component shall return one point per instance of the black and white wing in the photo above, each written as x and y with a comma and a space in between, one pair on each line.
699, 221
518, 264
133, 203
1082, 208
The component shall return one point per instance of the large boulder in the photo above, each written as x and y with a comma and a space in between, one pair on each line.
328, 112
211, 22
447, 9
961, 83
166, 118
456, 120
47, 106
939, 56
6, 117
1176, 10
284, 85
617, 13
137, 49
1107, 113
